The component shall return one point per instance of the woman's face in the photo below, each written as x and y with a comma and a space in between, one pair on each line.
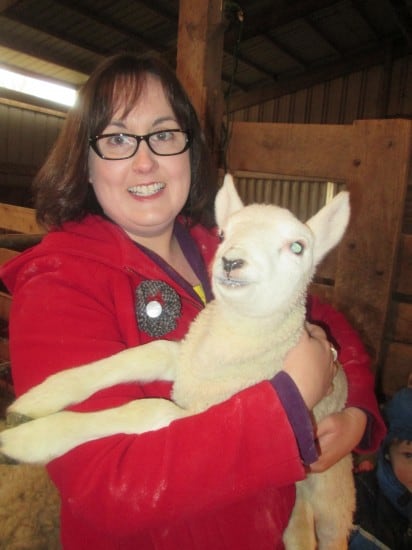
143, 194
401, 459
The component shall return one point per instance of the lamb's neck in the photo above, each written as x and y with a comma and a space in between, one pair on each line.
276, 328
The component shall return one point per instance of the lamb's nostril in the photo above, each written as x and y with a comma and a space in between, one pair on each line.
230, 265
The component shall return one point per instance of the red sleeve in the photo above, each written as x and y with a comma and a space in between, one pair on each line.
356, 363
129, 483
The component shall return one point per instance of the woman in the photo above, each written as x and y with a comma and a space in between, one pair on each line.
127, 195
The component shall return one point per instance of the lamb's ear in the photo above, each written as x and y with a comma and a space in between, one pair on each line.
227, 201
329, 225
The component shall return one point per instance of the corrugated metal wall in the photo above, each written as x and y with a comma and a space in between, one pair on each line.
25, 138
303, 197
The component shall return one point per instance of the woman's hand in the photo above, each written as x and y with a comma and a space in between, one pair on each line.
311, 366
337, 435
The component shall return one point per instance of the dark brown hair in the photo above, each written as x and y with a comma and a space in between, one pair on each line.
61, 188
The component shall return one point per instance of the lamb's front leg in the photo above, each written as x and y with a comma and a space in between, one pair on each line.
153, 361
43, 439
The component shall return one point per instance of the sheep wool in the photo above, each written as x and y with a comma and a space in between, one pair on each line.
29, 508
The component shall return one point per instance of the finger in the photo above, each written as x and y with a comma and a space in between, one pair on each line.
315, 331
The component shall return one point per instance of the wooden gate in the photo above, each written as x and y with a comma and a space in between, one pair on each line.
372, 159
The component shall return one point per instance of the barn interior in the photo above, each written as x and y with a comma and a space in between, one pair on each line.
298, 99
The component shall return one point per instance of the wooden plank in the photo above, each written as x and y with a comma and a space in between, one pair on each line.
19, 241
5, 304
7, 254
327, 268
377, 182
199, 62
397, 368
4, 350
19, 219
400, 322
403, 283
18, 169
324, 292
303, 150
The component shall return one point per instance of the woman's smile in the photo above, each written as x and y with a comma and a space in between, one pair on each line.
147, 190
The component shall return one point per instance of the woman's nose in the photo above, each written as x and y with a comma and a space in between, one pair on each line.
144, 159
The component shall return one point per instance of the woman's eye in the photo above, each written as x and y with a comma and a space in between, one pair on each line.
297, 248
164, 136
119, 140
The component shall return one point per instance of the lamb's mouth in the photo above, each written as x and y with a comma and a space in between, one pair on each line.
230, 281
146, 190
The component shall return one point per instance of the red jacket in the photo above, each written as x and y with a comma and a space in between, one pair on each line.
222, 479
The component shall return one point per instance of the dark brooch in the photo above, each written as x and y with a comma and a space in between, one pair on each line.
157, 308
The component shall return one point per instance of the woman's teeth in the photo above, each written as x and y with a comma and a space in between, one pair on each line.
146, 190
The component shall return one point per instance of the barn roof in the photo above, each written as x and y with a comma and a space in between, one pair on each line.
271, 47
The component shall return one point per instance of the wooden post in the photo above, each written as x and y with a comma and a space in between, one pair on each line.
199, 63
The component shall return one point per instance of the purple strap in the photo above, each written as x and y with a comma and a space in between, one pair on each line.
298, 415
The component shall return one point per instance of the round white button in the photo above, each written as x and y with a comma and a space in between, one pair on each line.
154, 309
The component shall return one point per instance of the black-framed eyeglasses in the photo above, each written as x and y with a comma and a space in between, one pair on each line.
123, 146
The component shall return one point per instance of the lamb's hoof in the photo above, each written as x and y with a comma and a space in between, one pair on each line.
7, 460
14, 419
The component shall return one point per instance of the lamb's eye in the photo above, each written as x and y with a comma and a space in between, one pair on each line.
297, 248
221, 235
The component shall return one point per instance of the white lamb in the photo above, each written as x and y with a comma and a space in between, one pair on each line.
260, 276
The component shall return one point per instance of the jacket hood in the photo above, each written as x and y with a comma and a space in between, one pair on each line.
398, 413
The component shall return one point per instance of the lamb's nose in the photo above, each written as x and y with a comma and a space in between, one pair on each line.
230, 265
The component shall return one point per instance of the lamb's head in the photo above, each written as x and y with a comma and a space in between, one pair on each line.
267, 257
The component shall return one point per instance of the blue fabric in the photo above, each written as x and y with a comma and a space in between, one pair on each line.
392, 488
360, 540
398, 413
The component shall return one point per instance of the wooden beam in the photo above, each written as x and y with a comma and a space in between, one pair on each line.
5, 304
31, 103
400, 325
377, 181
282, 14
15, 169
19, 219
402, 15
315, 75
23, 44
404, 276
5, 4
11, 242
397, 369
95, 14
79, 41
199, 62
6, 254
